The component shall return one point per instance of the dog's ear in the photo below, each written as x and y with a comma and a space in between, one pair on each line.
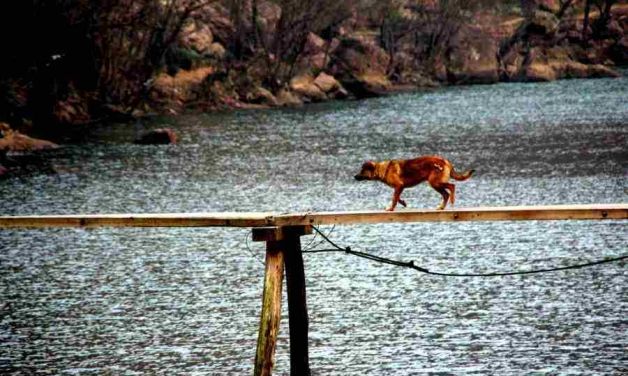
368, 165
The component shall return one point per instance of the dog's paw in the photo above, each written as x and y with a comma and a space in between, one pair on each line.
402, 202
390, 208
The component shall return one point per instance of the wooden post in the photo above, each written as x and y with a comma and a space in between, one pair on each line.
283, 243
271, 310
297, 304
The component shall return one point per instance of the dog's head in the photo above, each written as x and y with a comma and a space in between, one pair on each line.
367, 172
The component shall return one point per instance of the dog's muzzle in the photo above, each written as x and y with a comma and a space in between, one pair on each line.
359, 177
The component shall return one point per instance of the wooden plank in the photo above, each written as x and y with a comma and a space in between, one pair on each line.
513, 213
506, 213
140, 220
271, 310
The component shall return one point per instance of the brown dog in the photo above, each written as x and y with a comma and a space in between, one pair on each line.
400, 174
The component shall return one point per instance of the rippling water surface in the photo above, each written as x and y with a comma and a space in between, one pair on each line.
187, 301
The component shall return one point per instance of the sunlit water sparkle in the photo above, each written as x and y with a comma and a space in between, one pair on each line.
186, 301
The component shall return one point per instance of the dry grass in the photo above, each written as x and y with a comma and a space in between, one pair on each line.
183, 79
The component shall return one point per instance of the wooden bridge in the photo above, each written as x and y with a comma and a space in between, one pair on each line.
282, 232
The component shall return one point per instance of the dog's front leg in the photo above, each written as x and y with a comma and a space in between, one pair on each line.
395, 199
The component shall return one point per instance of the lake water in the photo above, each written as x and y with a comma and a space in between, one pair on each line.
187, 301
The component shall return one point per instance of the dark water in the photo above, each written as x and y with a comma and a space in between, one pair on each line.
187, 301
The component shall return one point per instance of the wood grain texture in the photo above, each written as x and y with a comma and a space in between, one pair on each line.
271, 310
140, 220
512, 213
505, 213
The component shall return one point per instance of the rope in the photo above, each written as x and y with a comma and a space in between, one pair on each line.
309, 245
246, 243
411, 264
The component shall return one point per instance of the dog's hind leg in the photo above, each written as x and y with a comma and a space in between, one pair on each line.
438, 181
443, 192
452, 192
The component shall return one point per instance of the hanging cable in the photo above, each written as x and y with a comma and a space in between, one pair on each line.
309, 245
246, 243
411, 264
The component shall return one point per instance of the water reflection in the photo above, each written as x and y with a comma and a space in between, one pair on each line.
186, 301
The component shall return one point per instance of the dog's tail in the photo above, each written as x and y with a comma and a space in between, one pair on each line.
461, 177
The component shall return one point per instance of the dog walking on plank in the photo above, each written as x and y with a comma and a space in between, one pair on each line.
405, 173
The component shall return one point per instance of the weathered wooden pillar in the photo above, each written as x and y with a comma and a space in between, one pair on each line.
297, 304
283, 245
271, 310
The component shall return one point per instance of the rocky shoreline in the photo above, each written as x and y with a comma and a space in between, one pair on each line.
542, 42
535, 48
12, 141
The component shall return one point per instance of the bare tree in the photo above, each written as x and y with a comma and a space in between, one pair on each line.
298, 19
431, 25
585, 21
237, 9
564, 7
131, 38
393, 28
601, 23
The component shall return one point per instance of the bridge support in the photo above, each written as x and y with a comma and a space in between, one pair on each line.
283, 248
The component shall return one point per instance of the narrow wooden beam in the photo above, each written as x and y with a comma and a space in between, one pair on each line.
140, 220
271, 310
505, 213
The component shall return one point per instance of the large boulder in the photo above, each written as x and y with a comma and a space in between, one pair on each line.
315, 53
14, 141
197, 37
599, 71
361, 66
542, 50
287, 98
314, 44
161, 136
542, 22
359, 56
473, 59
170, 94
330, 86
304, 86
550, 64
539, 71
262, 96
367, 85
218, 19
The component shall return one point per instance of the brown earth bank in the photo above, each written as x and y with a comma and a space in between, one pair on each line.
367, 52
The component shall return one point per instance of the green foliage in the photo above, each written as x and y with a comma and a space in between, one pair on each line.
177, 58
